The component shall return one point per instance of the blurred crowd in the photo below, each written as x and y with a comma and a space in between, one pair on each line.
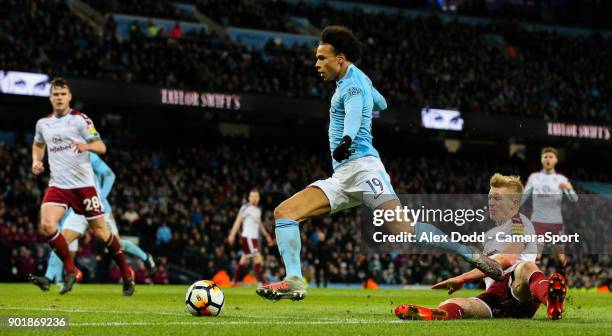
163, 9
493, 69
264, 15
572, 13
180, 203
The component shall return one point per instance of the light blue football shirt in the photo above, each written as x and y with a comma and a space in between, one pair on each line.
351, 113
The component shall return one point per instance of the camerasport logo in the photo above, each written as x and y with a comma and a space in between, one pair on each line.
56, 139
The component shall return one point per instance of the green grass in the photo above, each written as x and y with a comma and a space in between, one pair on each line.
153, 310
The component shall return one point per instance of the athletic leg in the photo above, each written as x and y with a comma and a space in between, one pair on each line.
73, 227
471, 254
305, 204
100, 229
531, 284
239, 269
50, 216
456, 308
560, 258
55, 268
130, 248
258, 266
308, 203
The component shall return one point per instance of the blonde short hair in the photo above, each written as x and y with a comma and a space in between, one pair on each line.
507, 181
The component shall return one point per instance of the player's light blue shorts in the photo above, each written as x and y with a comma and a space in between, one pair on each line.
78, 223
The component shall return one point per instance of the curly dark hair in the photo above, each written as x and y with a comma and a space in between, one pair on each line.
343, 40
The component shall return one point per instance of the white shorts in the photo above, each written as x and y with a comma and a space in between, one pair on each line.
78, 223
75, 222
109, 219
250, 246
361, 181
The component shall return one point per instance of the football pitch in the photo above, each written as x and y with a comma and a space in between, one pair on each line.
160, 310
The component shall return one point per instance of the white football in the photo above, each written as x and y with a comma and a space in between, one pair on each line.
204, 298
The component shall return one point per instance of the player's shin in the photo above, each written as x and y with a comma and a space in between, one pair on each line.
237, 273
447, 246
114, 248
414, 312
453, 311
59, 245
55, 268
130, 248
289, 245
258, 271
538, 285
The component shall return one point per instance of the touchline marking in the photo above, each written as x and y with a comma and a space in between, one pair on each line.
329, 320
217, 322
114, 312
93, 311
117, 312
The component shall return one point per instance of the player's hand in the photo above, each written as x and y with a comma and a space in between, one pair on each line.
80, 147
230, 240
343, 151
452, 284
270, 241
37, 167
566, 185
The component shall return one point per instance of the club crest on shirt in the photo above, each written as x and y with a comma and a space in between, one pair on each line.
353, 91
517, 225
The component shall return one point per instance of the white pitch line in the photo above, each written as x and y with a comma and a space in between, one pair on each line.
114, 312
92, 311
220, 322
234, 314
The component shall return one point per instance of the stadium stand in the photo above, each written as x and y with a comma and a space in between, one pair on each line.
195, 192
491, 69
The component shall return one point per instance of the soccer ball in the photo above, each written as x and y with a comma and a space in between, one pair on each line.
204, 298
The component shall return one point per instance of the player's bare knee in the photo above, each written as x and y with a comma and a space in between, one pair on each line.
101, 233
283, 212
523, 271
47, 229
455, 301
70, 235
47, 226
520, 269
